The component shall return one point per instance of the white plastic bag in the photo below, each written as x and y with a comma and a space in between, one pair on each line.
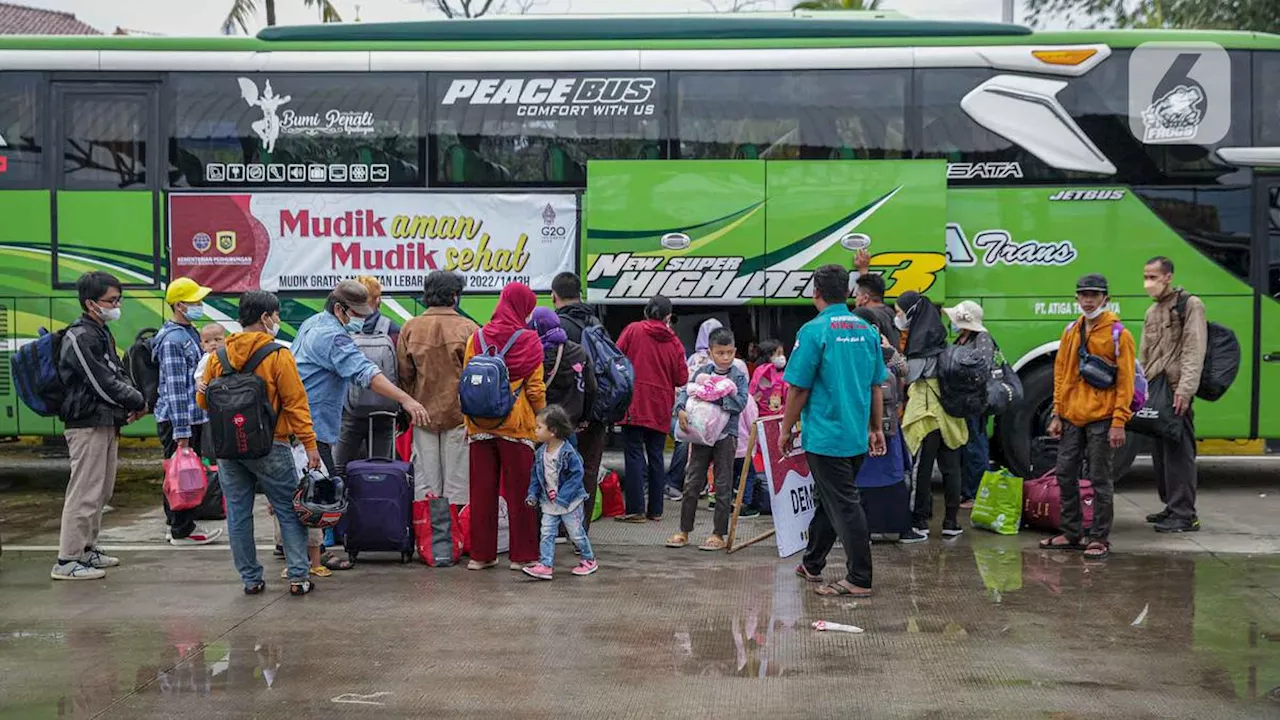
707, 422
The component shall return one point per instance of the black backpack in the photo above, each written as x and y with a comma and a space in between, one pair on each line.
1221, 356
241, 417
141, 366
963, 372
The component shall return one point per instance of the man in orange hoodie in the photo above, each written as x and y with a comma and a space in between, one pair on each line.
1093, 378
276, 473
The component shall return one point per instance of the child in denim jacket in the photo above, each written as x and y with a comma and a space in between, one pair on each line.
556, 483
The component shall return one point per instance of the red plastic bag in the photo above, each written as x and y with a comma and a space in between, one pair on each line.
185, 481
463, 528
611, 496
433, 523
1042, 503
404, 446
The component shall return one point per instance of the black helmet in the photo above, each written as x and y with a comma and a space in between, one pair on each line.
320, 500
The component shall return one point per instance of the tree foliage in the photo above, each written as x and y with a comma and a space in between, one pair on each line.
243, 13
479, 8
837, 5
1255, 15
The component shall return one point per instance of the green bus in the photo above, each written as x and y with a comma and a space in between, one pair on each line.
714, 159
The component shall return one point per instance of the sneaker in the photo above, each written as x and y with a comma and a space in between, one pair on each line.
255, 588
76, 570
674, 494
924, 530
1158, 517
199, 536
586, 567
912, 537
300, 588
539, 571
1177, 525
951, 528
748, 512
95, 558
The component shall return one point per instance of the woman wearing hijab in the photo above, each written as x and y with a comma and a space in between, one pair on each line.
502, 450
658, 358
571, 382
883, 481
932, 435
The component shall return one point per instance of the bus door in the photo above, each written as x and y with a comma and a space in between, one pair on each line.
107, 209
1267, 249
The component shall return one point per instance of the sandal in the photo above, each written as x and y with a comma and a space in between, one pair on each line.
801, 571
678, 540
715, 542
835, 589
255, 588
1097, 550
1067, 543
332, 562
477, 565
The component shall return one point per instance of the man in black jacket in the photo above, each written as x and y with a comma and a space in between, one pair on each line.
575, 316
98, 400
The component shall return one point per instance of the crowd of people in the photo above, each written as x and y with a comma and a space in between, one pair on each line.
874, 366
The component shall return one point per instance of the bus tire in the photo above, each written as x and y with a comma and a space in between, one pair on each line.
1026, 420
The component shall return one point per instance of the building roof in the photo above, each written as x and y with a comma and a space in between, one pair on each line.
23, 20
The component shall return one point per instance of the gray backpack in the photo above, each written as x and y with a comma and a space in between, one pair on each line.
361, 402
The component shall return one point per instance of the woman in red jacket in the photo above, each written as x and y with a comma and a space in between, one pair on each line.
658, 358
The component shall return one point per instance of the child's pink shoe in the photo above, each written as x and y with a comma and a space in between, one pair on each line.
586, 567
539, 571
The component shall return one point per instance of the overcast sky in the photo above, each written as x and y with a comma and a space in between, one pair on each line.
204, 17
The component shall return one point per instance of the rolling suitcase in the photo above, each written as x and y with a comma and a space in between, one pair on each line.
380, 498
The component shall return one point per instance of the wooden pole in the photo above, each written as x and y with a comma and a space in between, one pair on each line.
737, 503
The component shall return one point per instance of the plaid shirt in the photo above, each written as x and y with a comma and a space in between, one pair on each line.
177, 351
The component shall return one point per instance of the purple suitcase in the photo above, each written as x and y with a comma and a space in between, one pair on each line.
379, 515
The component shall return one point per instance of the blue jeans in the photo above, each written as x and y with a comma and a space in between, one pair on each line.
679, 461
572, 527
975, 456
644, 468
279, 479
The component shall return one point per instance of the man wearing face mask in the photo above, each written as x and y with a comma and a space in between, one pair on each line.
1093, 378
99, 399
328, 360
179, 421
1174, 336
868, 300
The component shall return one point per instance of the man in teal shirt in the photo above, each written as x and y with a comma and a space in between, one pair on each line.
835, 373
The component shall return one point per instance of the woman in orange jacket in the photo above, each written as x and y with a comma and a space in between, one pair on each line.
502, 450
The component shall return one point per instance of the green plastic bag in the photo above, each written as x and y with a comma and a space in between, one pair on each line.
998, 507
598, 508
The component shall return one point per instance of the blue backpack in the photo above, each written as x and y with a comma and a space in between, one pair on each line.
35, 373
485, 388
615, 377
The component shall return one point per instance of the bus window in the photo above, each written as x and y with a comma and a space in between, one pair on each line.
810, 115
947, 132
1217, 221
104, 141
20, 130
1099, 102
1266, 70
541, 129
296, 129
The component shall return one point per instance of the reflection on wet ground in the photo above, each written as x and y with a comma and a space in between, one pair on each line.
981, 628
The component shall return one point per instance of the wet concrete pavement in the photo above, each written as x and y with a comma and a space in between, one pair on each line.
982, 626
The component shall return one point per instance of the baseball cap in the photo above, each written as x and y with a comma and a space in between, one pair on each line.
352, 295
185, 290
1093, 282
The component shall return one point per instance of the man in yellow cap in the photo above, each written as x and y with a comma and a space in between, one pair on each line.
179, 421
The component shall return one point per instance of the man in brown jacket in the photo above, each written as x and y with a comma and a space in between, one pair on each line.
430, 358
1174, 335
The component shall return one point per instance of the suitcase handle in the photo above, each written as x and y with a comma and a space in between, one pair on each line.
391, 453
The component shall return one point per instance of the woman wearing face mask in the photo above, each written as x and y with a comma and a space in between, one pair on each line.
931, 434
884, 481
502, 450
966, 318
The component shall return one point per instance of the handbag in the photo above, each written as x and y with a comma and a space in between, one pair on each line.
185, 481
1004, 389
1157, 418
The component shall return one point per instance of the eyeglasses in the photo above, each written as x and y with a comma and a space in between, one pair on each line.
111, 301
